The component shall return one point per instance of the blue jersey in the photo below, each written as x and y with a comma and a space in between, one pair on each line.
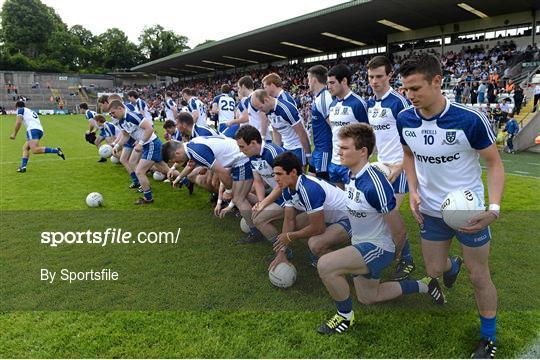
90, 115
194, 104
169, 106
445, 149
263, 164
322, 133
369, 197
351, 109
285, 96
206, 150
253, 116
202, 131
283, 118
131, 123
177, 136
313, 194
382, 115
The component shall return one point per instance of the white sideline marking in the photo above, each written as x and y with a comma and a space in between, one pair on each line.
522, 172
533, 163
533, 352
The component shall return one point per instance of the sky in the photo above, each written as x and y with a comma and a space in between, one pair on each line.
199, 20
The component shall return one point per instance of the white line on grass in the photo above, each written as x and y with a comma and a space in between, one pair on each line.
522, 172
533, 352
534, 164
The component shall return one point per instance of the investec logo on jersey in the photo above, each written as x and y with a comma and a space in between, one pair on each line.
437, 159
381, 127
356, 213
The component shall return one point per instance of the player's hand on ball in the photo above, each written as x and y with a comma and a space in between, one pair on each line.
414, 200
478, 222
280, 257
172, 173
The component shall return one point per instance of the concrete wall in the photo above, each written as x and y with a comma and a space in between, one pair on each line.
525, 138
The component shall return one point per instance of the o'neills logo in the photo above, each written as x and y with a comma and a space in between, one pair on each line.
436, 159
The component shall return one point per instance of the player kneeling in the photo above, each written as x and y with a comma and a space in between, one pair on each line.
377, 229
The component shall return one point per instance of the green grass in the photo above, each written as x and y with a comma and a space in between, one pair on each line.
207, 296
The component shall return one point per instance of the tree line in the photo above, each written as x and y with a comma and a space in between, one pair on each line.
33, 37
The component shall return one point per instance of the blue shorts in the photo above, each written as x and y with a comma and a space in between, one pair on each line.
230, 132
242, 172
299, 152
34, 134
338, 173
152, 151
130, 144
435, 229
345, 223
400, 184
320, 160
375, 258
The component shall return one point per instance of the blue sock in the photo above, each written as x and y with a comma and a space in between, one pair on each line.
409, 287
454, 269
255, 231
344, 307
488, 327
312, 257
406, 252
134, 178
24, 162
148, 194
49, 150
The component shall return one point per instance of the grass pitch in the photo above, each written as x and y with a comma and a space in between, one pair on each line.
207, 296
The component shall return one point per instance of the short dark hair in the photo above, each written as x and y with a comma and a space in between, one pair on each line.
225, 88
288, 161
20, 104
246, 81
133, 93
188, 91
340, 72
183, 102
249, 133
184, 118
319, 72
115, 104
379, 61
103, 99
168, 149
168, 93
425, 64
83, 106
169, 124
99, 118
362, 134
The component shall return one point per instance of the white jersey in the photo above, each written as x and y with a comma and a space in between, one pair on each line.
194, 104
263, 164
313, 194
206, 150
445, 150
351, 109
369, 197
30, 119
283, 118
382, 118
142, 108
131, 123
90, 115
226, 106
253, 116
169, 105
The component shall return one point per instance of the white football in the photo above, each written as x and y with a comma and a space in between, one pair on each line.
244, 226
459, 206
105, 151
158, 176
283, 275
115, 160
94, 199
382, 168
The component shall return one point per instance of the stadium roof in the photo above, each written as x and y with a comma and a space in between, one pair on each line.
350, 25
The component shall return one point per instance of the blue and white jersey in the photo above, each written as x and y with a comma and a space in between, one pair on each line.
313, 194
263, 164
322, 133
382, 117
169, 105
90, 115
253, 116
108, 129
369, 196
206, 150
131, 123
177, 136
283, 118
202, 131
349, 110
285, 96
226, 106
142, 108
194, 104
445, 150
30, 119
